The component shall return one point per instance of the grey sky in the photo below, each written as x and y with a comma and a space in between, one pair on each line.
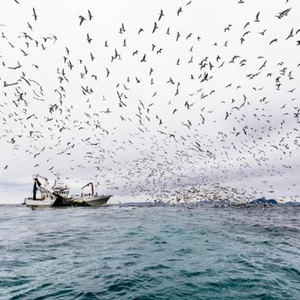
151, 96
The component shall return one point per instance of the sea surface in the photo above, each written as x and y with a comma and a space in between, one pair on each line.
150, 252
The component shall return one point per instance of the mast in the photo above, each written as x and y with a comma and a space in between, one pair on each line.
34, 191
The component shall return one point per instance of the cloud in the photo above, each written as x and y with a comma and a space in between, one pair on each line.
145, 109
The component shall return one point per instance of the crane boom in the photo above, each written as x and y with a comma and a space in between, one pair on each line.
40, 176
92, 187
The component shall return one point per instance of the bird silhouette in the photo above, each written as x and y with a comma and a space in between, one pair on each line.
34, 14
179, 11
81, 20
161, 14
257, 17
90, 15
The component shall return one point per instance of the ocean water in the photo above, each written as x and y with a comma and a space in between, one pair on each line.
150, 252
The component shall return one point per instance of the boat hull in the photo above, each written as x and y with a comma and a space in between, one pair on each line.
93, 200
62, 201
39, 203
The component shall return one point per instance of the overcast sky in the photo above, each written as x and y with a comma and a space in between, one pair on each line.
149, 97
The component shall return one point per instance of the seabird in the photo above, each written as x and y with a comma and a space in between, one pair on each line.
161, 14
90, 15
154, 27
82, 18
144, 58
34, 14
179, 11
257, 17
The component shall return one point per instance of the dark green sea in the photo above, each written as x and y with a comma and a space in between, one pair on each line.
150, 252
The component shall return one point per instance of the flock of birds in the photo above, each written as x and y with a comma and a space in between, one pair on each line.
159, 108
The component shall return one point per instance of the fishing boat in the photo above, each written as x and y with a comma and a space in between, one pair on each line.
42, 194
46, 196
92, 198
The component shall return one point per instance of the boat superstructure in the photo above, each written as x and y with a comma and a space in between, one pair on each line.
42, 194
92, 198
60, 188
